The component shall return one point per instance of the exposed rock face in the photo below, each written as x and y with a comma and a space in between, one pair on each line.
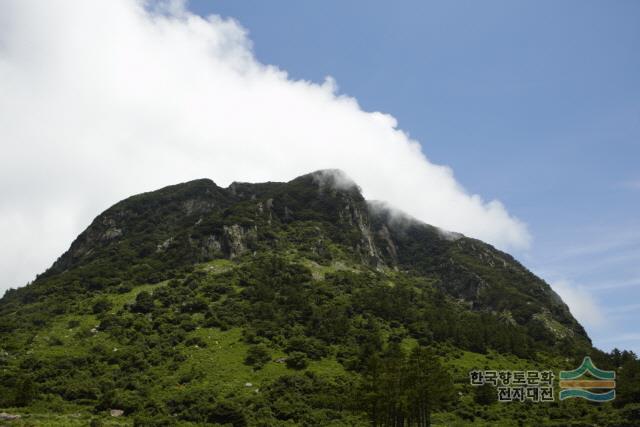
389, 247
197, 206
212, 248
112, 233
165, 245
354, 214
238, 240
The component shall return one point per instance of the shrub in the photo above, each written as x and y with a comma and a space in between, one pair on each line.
101, 306
25, 393
297, 360
257, 356
144, 303
485, 394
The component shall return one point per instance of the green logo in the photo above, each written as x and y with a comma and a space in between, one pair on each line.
573, 386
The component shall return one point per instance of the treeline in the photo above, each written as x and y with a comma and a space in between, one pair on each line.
400, 389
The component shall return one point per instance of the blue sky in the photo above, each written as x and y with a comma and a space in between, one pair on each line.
534, 103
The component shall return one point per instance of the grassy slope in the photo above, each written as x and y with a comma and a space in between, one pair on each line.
219, 366
221, 360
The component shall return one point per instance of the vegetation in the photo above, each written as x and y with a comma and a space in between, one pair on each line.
285, 304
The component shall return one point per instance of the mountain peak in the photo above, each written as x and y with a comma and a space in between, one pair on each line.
321, 215
306, 268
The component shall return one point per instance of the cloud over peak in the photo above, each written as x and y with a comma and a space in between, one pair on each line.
105, 99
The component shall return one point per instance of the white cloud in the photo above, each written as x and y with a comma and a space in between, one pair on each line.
104, 99
582, 305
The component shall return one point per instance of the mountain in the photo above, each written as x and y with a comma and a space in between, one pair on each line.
297, 303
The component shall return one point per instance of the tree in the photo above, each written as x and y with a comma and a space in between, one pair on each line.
429, 385
628, 383
257, 356
485, 394
400, 390
297, 360
101, 306
144, 303
25, 392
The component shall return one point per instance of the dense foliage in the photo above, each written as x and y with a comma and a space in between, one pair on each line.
285, 304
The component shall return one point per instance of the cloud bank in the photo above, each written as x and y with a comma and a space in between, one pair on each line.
104, 99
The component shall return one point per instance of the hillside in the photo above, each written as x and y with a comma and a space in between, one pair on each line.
297, 303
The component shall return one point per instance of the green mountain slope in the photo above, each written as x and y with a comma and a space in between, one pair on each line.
296, 303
